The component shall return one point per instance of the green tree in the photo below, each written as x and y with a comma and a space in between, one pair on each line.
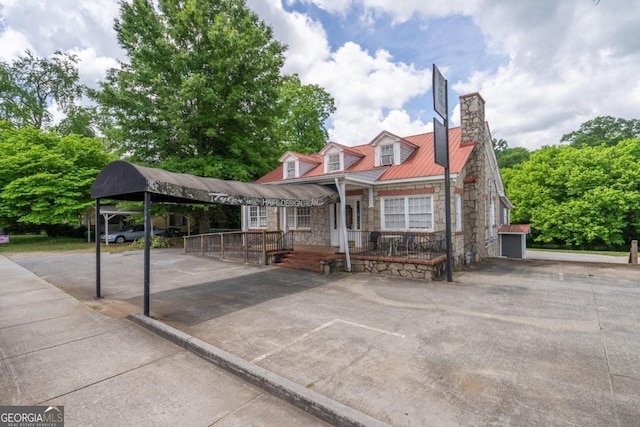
30, 85
585, 196
200, 92
603, 130
499, 144
82, 121
509, 157
45, 179
303, 109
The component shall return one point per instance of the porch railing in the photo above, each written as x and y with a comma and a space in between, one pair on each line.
248, 246
404, 245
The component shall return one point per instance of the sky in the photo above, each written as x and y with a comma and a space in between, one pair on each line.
543, 67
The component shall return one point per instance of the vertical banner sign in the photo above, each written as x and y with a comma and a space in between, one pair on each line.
440, 143
441, 151
439, 93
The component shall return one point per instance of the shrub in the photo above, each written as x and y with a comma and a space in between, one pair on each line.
156, 243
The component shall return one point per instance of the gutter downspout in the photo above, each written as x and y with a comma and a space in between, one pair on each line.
343, 222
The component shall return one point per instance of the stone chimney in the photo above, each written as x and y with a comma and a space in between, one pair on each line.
472, 121
475, 203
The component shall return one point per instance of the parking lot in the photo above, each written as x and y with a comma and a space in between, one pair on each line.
524, 343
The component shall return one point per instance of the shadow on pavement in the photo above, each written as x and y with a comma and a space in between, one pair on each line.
198, 303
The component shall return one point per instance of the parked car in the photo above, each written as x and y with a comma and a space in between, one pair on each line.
130, 234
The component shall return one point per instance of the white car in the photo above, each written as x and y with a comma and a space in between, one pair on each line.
130, 234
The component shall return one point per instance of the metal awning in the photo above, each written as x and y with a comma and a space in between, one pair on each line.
125, 181
121, 180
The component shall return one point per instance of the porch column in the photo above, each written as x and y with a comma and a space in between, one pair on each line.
344, 238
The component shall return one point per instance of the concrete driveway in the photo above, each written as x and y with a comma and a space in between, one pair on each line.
524, 343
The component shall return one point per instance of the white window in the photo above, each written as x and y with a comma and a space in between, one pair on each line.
386, 155
458, 211
333, 162
257, 217
291, 169
299, 217
407, 213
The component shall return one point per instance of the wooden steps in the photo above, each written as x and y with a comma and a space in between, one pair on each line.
307, 261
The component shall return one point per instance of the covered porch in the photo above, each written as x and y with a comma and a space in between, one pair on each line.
414, 255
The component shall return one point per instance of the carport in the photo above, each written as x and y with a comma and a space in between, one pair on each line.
124, 181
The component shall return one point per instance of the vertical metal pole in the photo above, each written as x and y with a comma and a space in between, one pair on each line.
447, 190
97, 237
147, 249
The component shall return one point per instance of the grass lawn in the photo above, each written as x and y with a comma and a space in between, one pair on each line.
612, 253
42, 243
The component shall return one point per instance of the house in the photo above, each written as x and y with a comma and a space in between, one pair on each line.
392, 199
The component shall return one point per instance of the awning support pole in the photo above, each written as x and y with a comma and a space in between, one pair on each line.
147, 249
97, 238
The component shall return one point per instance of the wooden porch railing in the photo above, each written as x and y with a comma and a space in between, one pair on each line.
248, 246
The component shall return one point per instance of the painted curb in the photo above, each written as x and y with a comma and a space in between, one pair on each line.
314, 403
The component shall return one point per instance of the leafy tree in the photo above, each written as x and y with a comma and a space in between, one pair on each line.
303, 111
509, 157
80, 121
583, 196
499, 144
45, 179
202, 91
604, 130
30, 85
201, 88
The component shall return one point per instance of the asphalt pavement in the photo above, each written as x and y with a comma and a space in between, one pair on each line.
524, 343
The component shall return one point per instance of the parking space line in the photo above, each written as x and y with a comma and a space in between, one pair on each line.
320, 328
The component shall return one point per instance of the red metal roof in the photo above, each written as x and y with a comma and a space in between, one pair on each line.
419, 164
308, 158
515, 228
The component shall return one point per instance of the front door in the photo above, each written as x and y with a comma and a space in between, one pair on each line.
353, 220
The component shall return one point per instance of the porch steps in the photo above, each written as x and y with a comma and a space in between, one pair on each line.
308, 261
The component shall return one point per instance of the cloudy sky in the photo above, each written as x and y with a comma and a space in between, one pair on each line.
542, 66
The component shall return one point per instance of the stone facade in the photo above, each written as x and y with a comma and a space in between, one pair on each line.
480, 236
476, 183
400, 268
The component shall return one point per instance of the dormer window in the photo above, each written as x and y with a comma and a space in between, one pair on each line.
291, 169
333, 162
386, 155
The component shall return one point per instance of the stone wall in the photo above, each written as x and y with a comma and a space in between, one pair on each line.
422, 271
477, 176
320, 232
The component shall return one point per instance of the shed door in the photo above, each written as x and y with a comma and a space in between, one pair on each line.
512, 245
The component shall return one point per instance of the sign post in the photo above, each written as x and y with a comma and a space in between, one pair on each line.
441, 151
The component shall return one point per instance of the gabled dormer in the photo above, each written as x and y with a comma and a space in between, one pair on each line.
337, 157
391, 149
295, 165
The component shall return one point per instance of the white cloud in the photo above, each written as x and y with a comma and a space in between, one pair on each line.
563, 63
570, 62
305, 38
13, 44
64, 24
363, 87
91, 67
